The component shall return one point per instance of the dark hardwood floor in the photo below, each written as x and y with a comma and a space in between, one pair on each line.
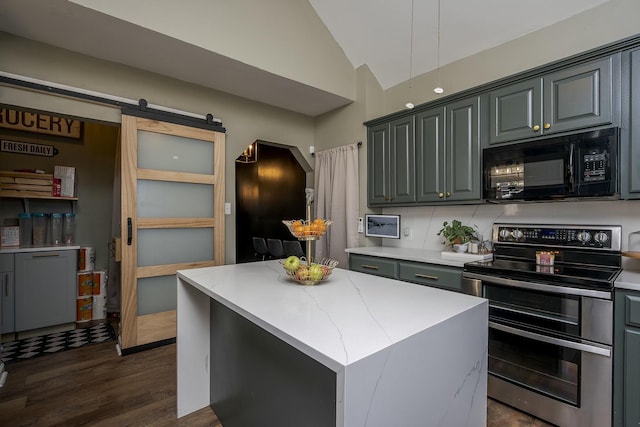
94, 386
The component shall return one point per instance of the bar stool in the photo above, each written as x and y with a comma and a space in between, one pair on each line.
292, 247
276, 249
260, 247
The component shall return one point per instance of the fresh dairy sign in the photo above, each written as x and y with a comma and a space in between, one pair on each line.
40, 123
28, 148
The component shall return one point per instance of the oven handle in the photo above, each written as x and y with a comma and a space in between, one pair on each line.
532, 314
551, 340
538, 286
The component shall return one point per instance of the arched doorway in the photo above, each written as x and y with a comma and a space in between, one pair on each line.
268, 190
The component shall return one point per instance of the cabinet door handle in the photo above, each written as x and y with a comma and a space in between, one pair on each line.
370, 267
46, 255
441, 195
129, 231
448, 194
536, 128
426, 276
547, 125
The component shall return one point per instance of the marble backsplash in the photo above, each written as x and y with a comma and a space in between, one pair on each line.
420, 225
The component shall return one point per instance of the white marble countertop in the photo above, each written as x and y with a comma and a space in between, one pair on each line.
412, 254
628, 279
344, 319
17, 249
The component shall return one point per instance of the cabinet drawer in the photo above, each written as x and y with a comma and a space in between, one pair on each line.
372, 265
6, 262
432, 275
632, 309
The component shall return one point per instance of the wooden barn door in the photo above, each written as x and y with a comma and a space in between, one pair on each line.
172, 218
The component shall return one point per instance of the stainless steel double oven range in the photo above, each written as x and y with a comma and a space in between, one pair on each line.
551, 326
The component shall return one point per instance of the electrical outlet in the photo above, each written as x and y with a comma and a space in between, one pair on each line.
406, 232
227, 208
360, 225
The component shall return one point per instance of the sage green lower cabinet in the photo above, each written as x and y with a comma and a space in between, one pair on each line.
441, 276
7, 294
384, 267
626, 362
45, 285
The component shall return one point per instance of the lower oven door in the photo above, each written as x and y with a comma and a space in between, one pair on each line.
566, 382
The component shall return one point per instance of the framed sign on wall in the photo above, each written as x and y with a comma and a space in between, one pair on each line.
382, 226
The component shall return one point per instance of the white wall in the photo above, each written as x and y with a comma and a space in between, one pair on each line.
245, 120
426, 222
607, 23
282, 37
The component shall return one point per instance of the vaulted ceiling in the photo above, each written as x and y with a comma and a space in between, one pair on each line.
386, 35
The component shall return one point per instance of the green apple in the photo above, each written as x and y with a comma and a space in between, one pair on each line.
292, 263
315, 272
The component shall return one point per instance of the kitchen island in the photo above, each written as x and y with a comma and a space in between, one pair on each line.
355, 350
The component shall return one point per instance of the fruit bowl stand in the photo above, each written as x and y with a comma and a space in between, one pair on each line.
309, 231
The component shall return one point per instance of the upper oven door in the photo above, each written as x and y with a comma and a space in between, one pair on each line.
549, 308
529, 171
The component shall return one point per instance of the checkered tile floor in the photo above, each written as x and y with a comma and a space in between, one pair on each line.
28, 348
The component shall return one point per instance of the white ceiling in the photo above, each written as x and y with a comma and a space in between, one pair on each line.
378, 32
373, 32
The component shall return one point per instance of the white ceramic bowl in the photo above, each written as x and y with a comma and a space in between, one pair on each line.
460, 248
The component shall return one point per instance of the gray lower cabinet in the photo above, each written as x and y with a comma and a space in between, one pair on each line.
577, 97
45, 288
440, 276
391, 163
7, 294
384, 267
626, 362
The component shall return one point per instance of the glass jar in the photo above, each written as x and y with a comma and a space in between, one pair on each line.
39, 229
26, 228
55, 225
69, 228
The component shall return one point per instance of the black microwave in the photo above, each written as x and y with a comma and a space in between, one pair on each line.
577, 165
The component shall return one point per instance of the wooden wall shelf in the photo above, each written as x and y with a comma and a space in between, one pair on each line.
16, 195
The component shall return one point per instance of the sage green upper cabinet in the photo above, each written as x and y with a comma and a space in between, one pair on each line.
630, 149
430, 155
391, 163
577, 97
448, 152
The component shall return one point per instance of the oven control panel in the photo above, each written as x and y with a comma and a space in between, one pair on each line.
580, 236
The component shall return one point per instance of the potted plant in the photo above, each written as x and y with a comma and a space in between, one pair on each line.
456, 233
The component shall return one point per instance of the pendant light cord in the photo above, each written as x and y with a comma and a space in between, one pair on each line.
438, 89
409, 104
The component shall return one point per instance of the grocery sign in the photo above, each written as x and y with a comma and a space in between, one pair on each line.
40, 123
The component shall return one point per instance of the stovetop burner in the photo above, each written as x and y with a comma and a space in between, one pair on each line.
575, 275
586, 256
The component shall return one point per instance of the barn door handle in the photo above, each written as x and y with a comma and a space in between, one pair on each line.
129, 231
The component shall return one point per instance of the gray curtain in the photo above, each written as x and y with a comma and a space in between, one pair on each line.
337, 198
